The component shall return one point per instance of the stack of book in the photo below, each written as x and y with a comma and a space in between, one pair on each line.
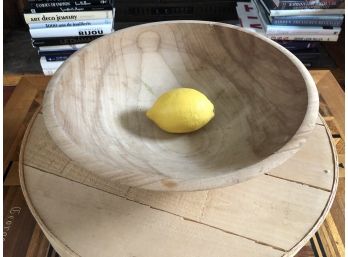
298, 25
60, 27
312, 20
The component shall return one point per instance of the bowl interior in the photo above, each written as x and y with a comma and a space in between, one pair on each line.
99, 98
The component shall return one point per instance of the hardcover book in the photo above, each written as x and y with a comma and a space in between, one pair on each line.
298, 45
56, 55
49, 65
32, 4
61, 47
90, 30
304, 4
69, 9
273, 10
308, 20
66, 16
56, 58
69, 24
49, 68
38, 42
328, 38
249, 17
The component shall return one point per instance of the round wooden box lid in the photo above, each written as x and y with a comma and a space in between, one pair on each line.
271, 215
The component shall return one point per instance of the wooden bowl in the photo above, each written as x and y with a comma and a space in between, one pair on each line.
266, 104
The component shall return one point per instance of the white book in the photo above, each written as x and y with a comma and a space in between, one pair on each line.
61, 47
69, 23
92, 30
302, 30
332, 38
67, 16
248, 17
49, 65
300, 12
49, 72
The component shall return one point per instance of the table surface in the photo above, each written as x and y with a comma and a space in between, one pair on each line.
27, 97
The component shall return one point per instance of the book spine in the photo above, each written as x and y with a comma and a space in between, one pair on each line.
267, 4
298, 30
56, 58
69, 9
331, 38
305, 55
49, 65
303, 21
77, 2
57, 53
93, 30
69, 24
65, 3
298, 45
66, 16
61, 47
300, 12
249, 18
38, 42
294, 5
49, 72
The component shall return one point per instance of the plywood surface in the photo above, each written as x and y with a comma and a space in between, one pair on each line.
280, 211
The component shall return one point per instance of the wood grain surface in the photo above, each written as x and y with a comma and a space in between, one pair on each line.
330, 243
280, 213
94, 106
21, 236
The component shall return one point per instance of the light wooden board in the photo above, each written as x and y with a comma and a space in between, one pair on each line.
318, 246
95, 103
333, 95
307, 155
266, 216
23, 101
21, 234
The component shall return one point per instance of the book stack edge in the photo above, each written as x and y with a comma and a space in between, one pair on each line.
298, 25
60, 27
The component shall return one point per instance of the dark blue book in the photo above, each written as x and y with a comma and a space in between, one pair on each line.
308, 20
56, 58
298, 45
53, 56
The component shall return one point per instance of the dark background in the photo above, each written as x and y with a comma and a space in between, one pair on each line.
21, 57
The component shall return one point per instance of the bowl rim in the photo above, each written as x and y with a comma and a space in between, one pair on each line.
270, 162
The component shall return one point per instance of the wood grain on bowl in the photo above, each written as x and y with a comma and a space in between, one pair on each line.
94, 106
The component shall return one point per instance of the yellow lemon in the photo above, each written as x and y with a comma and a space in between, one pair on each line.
181, 110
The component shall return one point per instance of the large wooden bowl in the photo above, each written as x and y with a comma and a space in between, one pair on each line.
265, 100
